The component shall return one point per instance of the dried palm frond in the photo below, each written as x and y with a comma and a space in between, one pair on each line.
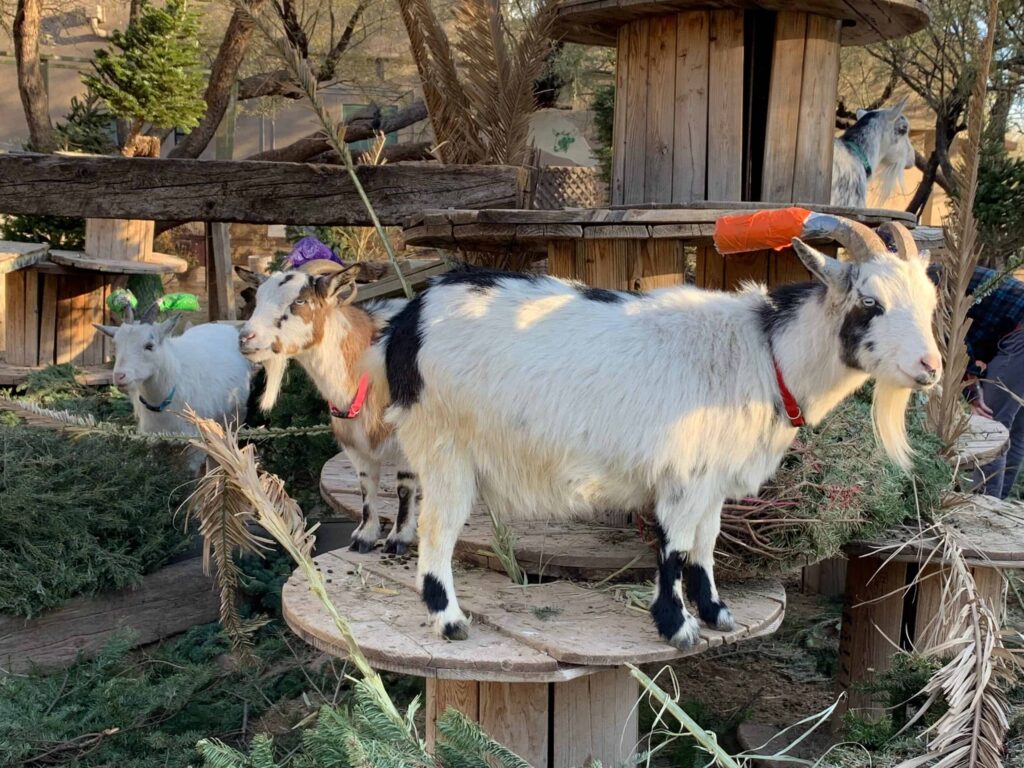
224, 519
972, 684
272, 509
945, 410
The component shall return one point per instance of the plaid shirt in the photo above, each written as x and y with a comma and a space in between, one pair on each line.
994, 316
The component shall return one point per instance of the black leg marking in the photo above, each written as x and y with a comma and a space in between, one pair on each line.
404, 495
434, 595
455, 631
667, 609
698, 590
361, 544
362, 474
405, 475
366, 513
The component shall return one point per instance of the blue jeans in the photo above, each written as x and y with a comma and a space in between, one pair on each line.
1005, 372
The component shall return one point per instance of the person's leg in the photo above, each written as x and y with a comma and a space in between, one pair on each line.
1004, 379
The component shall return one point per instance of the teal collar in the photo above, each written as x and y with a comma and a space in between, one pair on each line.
857, 150
163, 406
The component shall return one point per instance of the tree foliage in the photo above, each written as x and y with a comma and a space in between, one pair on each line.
154, 76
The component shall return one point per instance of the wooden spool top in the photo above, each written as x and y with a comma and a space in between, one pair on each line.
990, 532
155, 263
571, 549
531, 231
15, 256
595, 22
983, 441
541, 633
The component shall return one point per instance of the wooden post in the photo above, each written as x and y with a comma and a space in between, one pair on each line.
219, 274
550, 725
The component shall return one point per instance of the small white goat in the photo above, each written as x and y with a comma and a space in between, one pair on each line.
875, 148
307, 314
163, 373
551, 399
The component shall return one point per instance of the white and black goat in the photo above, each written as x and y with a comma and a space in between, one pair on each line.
877, 149
550, 399
162, 373
307, 314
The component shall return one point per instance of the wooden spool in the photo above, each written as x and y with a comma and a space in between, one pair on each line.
880, 612
544, 668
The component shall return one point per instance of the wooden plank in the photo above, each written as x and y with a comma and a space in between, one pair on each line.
15, 256
92, 312
710, 268
784, 106
690, 150
595, 718
48, 321
562, 259
618, 195
162, 265
13, 375
635, 147
872, 621
813, 181
442, 695
246, 191
725, 106
827, 578
516, 715
219, 273
168, 601
66, 290
661, 86
31, 323
746, 267
785, 267
15, 315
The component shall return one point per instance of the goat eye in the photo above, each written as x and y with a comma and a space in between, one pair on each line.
868, 302
149, 347
299, 302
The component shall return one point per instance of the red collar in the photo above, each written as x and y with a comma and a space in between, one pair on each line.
796, 416
357, 404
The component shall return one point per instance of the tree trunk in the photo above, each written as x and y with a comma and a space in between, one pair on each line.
223, 73
924, 189
31, 85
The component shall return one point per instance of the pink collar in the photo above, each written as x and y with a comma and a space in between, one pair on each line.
357, 403
796, 416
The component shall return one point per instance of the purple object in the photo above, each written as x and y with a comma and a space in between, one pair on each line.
310, 249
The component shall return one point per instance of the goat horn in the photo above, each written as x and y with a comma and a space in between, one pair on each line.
128, 316
150, 314
898, 239
860, 242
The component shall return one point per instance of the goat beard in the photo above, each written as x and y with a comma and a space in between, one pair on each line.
273, 371
889, 419
885, 182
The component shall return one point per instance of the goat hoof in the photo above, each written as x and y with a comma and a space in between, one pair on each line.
687, 635
723, 620
395, 547
361, 546
455, 630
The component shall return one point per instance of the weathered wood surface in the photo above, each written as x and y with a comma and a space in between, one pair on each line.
416, 273
244, 191
220, 290
119, 239
168, 601
984, 441
525, 634
595, 22
531, 231
573, 549
990, 532
15, 256
622, 265
155, 263
90, 376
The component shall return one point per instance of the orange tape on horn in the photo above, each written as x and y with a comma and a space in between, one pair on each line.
759, 230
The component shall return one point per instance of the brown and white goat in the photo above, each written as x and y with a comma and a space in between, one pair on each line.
307, 314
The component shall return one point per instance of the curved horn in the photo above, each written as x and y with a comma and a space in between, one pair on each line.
860, 242
128, 315
150, 314
898, 240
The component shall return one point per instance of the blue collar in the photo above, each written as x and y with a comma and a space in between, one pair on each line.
857, 150
163, 406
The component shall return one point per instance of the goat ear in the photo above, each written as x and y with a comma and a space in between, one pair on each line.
831, 272
861, 113
898, 107
163, 330
247, 276
106, 330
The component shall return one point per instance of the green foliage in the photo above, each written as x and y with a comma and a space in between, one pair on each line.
88, 127
61, 232
997, 206
296, 460
155, 76
81, 517
55, 387
902, 685
604, 116
873, 735
132, 710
